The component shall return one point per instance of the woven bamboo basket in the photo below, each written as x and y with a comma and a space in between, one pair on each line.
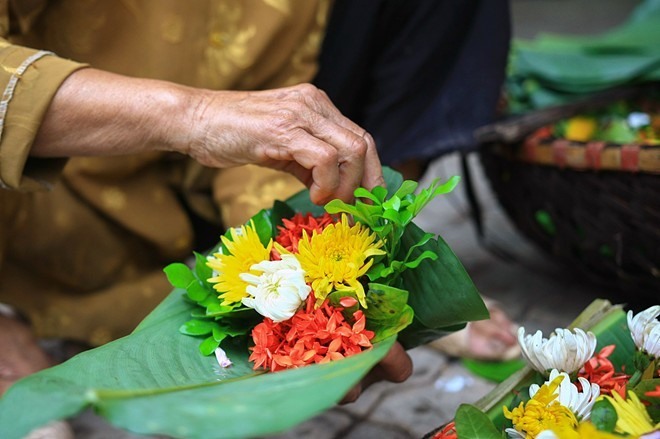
594, 206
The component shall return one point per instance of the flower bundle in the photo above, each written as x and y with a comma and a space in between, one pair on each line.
305, 287
576, 391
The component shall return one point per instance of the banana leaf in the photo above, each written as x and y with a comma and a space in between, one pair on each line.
557, 69
155, 381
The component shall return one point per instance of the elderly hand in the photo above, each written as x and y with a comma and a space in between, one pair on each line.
295, 129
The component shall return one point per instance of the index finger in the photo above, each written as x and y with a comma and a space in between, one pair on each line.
373, 171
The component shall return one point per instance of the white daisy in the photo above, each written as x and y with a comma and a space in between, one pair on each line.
580, 402
564, 350
645, 330
279, 291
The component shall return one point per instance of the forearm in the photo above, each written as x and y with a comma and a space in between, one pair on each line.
296, 129
98, 113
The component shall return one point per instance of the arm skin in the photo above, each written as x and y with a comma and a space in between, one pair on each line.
295, 129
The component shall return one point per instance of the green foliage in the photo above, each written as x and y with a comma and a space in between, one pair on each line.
472, 423
387, 310
389, 218
603, 415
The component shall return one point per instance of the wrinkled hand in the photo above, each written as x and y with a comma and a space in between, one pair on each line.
295, 129
395, 367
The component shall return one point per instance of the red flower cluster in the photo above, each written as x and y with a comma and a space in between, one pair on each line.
600, 370
310, 336
292, 231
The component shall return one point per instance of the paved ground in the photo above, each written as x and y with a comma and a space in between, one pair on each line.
535, 292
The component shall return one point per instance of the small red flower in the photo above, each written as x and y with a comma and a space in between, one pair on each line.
310, 336
292, 231
449, 432
600, 370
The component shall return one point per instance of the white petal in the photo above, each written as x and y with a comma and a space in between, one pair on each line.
223, 359
515, 434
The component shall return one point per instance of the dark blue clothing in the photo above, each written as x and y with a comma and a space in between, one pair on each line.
419, 75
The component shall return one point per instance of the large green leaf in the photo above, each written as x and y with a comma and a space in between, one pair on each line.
155, 381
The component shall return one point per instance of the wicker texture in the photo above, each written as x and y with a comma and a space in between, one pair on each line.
605, 224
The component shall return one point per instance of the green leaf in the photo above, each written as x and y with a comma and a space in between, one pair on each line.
472, 423
418, 260
393, 203
202, 270
496, 371
209, 345
380, 192
406, 188
384, 302
179, 275
338, 206
197, 327
155, 382
441, 292
376, 271
384, 329
363, 193
197, 292
263, 225
603, 416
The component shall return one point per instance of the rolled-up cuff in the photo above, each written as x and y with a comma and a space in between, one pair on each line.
28, 81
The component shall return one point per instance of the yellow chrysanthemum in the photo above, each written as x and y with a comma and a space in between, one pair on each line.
337, 257
542, 412
245, 249
633, 417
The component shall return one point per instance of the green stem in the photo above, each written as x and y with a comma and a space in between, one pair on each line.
635, 379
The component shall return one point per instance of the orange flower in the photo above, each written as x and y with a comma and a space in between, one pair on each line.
310, 336
292, 231
600, 370
653, 393
449, 432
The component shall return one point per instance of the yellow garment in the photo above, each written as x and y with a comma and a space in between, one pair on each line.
84, 259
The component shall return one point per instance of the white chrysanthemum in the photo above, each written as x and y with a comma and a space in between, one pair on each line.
579, 402
645, 330
279, 291
547, 434
564, 350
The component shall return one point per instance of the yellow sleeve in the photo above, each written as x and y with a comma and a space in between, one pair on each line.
29, 79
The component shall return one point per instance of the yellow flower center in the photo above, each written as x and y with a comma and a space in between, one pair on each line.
542, 412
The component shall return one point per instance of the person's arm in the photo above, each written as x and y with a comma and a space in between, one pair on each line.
296, 129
